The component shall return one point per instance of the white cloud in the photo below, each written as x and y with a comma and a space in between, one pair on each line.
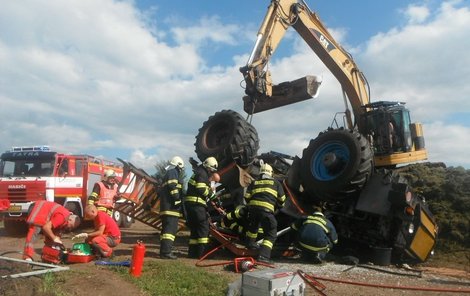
209, 29
417, 14
422, 64
448, 143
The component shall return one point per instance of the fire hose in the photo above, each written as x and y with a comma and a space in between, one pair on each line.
312, 281
239, 263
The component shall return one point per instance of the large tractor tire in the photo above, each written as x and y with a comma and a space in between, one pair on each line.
228, 137
336, 164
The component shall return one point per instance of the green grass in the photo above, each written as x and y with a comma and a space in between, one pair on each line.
51, 284
179, 279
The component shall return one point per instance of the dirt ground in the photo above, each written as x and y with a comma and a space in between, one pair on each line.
81, 278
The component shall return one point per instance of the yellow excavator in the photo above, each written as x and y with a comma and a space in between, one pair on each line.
351, 166
395, 139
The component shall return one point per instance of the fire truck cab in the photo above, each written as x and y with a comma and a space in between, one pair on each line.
29, 174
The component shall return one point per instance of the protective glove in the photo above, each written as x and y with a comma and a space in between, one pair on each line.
80, 235
57, 240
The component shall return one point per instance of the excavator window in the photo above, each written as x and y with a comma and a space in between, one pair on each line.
389, 129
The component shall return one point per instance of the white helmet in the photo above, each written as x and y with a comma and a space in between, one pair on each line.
109, 174
266, 169
177, 162
211, 164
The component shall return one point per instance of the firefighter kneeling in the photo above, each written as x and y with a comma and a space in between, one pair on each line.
316, 235
106, 235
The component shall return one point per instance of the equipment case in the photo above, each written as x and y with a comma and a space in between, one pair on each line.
272, 282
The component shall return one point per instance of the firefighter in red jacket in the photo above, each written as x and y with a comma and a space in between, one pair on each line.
52, 219
170, 205
104, 193
198, 194
263, 197
106, 234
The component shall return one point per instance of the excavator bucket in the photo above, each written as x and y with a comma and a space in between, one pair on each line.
283, 94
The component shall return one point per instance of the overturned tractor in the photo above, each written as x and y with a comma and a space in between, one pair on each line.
372, 208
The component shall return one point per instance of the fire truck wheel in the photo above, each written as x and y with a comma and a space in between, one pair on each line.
126, 221
74, 208
117, 216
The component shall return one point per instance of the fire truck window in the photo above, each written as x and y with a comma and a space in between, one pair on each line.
46, 169
7, 168
79, 167
64, 168
35, 170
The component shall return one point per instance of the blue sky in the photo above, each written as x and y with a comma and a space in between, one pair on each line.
137, 79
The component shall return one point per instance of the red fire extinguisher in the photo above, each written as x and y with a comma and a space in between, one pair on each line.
137, 261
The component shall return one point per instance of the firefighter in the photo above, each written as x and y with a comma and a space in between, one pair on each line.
264, 197
52, 219
104, 193
170, 205
106, 234
235, 219
315, 235
199, 192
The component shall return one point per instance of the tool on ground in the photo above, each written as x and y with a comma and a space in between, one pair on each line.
125, 263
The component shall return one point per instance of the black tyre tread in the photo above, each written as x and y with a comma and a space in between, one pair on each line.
118, 221
241, 145
125, 223
354, 176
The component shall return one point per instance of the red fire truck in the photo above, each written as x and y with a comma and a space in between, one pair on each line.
29, 174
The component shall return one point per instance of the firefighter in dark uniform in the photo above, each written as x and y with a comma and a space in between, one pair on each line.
315, 236
237, 221
199, 192
263, 197
170, 205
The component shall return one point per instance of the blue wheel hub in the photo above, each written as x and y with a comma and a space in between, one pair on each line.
329, 161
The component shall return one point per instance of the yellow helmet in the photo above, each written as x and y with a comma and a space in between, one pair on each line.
211, 164
177, 162
266, 169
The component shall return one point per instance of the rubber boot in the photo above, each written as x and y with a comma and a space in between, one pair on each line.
264, 254
251, 244
192, 251
165, 249
201, 250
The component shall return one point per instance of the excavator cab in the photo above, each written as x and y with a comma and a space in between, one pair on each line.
393, 137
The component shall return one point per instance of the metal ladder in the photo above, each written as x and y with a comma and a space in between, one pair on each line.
141, 199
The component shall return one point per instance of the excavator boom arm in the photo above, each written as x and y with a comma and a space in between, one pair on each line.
283, 14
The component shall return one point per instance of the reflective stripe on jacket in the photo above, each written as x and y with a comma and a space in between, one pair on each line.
43, 211
170, 193
199, 189
266, 193
107, 195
